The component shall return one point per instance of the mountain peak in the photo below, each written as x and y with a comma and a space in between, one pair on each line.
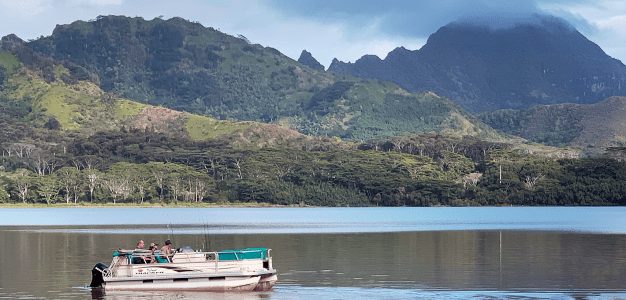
485, 64
307, 59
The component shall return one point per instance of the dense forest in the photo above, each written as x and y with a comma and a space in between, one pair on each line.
138, 166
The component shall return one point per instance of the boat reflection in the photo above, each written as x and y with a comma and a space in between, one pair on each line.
102, 294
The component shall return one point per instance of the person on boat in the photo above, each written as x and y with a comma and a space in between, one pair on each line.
140, 245
153, 247
167, 250
151, 259
137, 257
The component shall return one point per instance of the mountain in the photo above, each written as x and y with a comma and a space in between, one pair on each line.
541, 61
41, 98
64, 139
185, 66
591, 127
307, 59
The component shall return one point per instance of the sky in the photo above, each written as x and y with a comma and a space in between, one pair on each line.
329, 29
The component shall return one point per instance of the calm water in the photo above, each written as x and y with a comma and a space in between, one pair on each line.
335, 253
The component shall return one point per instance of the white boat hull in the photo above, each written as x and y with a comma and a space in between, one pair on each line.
266, 282
195, 271
206, 284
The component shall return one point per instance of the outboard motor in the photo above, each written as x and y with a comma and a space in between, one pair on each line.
97, 276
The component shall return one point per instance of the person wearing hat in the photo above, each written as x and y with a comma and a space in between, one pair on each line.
167, 249
153, 247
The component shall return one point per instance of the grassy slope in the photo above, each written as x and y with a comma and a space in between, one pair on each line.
78, 107
252, 82
604, 125
592, 127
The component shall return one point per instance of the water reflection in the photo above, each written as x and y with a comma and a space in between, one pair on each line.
400, 265
118, 295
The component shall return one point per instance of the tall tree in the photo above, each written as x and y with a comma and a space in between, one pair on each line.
68, 177
49, 186
93, 178
23, 181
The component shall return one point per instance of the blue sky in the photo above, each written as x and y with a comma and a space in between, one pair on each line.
328, 29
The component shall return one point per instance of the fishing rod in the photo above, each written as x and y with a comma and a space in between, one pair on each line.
207, 237
171, 228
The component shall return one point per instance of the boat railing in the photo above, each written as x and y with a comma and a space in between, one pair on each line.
134, 257
123, 260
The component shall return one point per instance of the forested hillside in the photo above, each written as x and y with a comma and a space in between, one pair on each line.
185, 66
592, 127
65, 140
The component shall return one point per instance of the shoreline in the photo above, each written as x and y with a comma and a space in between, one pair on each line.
148, 205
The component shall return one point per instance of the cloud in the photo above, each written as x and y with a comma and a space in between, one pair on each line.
416, 18
15, 9
601, 21
325, 40
346, 30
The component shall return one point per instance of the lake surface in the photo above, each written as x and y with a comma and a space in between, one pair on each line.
335, 253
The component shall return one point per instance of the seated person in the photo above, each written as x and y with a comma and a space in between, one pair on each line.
167, 250
150, 258
139, 255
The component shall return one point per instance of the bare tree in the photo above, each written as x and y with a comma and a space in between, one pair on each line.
237, 163
397, 144
141, 183
201, 187
23, 181
176, 185
8, 150
22, 149
119, 187
78, 164
471, 179
531, 181
68, 178
93, 179
91, 162
77, 188
53, 164
213, 172
37, 163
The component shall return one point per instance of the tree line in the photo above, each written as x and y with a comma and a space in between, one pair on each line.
138, 166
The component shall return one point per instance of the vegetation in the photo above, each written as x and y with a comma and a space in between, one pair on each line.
555, 125
66, 141
185, 66
141, 166
593, 127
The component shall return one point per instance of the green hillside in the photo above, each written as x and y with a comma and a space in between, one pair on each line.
592, 127
185, 66
66, 140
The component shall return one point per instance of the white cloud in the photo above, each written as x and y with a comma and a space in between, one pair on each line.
612, 36
106, 2
18, 9
324, 40
607, 19
290, 32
